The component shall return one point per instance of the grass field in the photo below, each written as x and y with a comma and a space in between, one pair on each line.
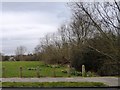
12, 69
53, 84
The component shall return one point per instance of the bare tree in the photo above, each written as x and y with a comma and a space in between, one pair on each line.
20, 51
102, 17
103, 20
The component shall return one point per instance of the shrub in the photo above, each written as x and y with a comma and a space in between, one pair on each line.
64, 71
74, 72
31, 68
109, 70
90, 74
43, 65
47, 65
78, 73
57, 66
54, 66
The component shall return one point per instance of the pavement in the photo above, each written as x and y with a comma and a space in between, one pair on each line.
111, 81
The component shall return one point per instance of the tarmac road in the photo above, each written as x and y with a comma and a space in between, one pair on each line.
111, 81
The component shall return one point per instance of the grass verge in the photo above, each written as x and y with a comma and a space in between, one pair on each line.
12, 69
53, 84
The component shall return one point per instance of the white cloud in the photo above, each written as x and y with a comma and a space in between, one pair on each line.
17, 24
26, 27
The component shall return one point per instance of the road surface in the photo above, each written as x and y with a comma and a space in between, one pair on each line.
111, 81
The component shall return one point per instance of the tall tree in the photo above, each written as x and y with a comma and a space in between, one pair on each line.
20, 51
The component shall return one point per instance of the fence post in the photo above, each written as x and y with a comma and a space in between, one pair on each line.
37, 71
83, 70
68, 70
3, 72
21, 71
54, 71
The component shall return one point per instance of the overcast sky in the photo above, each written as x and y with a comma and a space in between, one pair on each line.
23, 23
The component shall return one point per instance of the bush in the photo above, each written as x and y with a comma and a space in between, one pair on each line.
31, 68
64, 71
57, 66
90, 74
49, 66
88, 57
78, 73
74, 72
43, 65
109, 70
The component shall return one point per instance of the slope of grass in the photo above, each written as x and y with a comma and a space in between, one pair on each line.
53, 84
12, 69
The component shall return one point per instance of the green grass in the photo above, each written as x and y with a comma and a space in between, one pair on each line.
52, 84
12, 69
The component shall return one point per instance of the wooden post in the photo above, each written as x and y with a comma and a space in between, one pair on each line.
54, 72
21, 72
68, 70
37, 71
3, 72
83, 70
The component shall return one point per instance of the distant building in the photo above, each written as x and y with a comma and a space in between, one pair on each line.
12, 58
